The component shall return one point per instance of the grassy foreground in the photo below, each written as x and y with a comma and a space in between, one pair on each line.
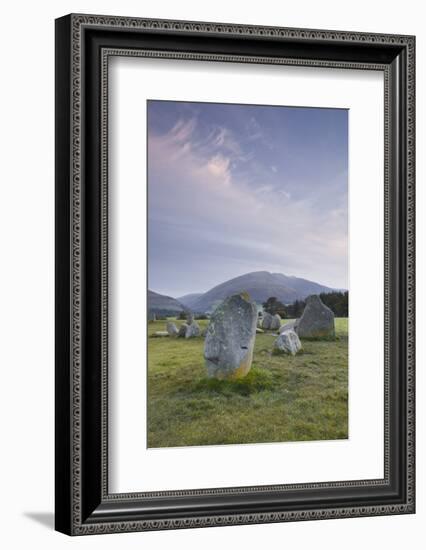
283, 398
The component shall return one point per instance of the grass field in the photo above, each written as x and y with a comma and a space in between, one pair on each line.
283, 398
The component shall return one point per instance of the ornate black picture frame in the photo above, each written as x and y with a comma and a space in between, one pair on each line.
83, 45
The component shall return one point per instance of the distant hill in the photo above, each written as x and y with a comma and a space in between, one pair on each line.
189, 299
163, 305
261, 285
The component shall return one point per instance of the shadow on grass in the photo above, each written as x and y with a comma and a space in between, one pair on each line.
257, 380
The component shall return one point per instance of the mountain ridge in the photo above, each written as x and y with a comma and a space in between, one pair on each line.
260, 285
161, 304
189, 299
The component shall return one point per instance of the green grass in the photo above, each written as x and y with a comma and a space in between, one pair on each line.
283, 398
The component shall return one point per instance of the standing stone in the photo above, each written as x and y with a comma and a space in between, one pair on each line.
182, 330
287, 342
291, 325
275, 322
189, 317
192, 330
317, 320
160, 334
172, 329
266, 321
228, 348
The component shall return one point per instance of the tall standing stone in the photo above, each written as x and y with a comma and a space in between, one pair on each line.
228, 348
182, 330
317, 320
172, 329
192, 330
275, 322
266, 321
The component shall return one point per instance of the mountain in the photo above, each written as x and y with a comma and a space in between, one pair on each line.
261, 285
304, 286
189, 299
163, 305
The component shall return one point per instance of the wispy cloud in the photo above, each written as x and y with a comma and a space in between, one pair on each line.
213, 213
254, 130
219, 167
181, 131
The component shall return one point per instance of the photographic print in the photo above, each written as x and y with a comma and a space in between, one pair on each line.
247, 299
209, 231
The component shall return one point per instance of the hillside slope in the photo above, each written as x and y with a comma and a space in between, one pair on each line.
261, 285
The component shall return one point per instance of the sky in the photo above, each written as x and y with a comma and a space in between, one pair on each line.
240, 188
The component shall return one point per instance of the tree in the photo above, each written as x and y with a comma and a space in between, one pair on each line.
336, 301
274, 306
295, 310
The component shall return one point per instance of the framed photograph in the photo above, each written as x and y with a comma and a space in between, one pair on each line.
234, 274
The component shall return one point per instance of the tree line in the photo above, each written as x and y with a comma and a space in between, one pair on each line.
336, 301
